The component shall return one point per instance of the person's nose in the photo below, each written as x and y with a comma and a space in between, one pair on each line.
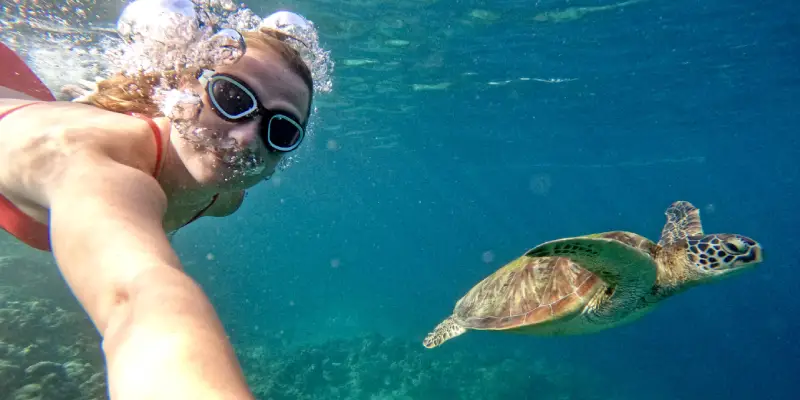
247, 133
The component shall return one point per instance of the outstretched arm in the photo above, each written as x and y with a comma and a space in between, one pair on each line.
161, 336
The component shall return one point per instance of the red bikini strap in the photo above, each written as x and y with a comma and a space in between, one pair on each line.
159, 141
9, 111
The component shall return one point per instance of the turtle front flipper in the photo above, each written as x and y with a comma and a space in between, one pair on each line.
443, 332
683, 221
629, 271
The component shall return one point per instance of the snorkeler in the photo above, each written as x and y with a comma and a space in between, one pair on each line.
102, 184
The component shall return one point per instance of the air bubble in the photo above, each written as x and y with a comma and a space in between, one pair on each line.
159, 21
229, 45
286, 19
540, 184
181, 105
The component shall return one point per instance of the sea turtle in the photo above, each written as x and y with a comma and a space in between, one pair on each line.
589, 283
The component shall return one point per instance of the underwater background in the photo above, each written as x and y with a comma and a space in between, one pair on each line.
458, 135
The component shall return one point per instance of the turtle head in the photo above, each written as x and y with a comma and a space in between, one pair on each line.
718, 255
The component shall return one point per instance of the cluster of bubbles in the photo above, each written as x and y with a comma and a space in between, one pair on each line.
303, 37
162, 35
174, 35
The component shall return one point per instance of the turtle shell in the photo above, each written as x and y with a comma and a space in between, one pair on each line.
527, 291
631, 239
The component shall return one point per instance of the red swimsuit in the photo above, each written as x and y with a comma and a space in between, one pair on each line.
16, 76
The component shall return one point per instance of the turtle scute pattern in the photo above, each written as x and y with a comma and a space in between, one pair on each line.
631, 239
568, 249
591, 250
526, 291
564, 249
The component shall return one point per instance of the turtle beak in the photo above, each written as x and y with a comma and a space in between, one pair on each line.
758, 254
755, 256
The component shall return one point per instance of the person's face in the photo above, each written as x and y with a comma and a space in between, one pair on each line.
278, 89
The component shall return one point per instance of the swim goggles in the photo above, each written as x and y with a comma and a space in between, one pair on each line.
234, 101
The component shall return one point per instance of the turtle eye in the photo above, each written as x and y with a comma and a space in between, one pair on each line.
735, 246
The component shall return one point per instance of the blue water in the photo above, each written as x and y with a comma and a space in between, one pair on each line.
403, 199
673, 100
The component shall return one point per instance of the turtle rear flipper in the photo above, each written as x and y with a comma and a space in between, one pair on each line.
443, 332
630, 272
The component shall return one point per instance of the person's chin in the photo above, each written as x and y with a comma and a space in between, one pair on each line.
231, 178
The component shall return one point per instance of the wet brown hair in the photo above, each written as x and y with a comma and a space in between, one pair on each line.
133, 93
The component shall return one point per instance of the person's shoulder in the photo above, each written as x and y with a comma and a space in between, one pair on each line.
134, 140
140, 141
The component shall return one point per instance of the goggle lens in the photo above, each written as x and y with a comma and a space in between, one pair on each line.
283, 133
231, 98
